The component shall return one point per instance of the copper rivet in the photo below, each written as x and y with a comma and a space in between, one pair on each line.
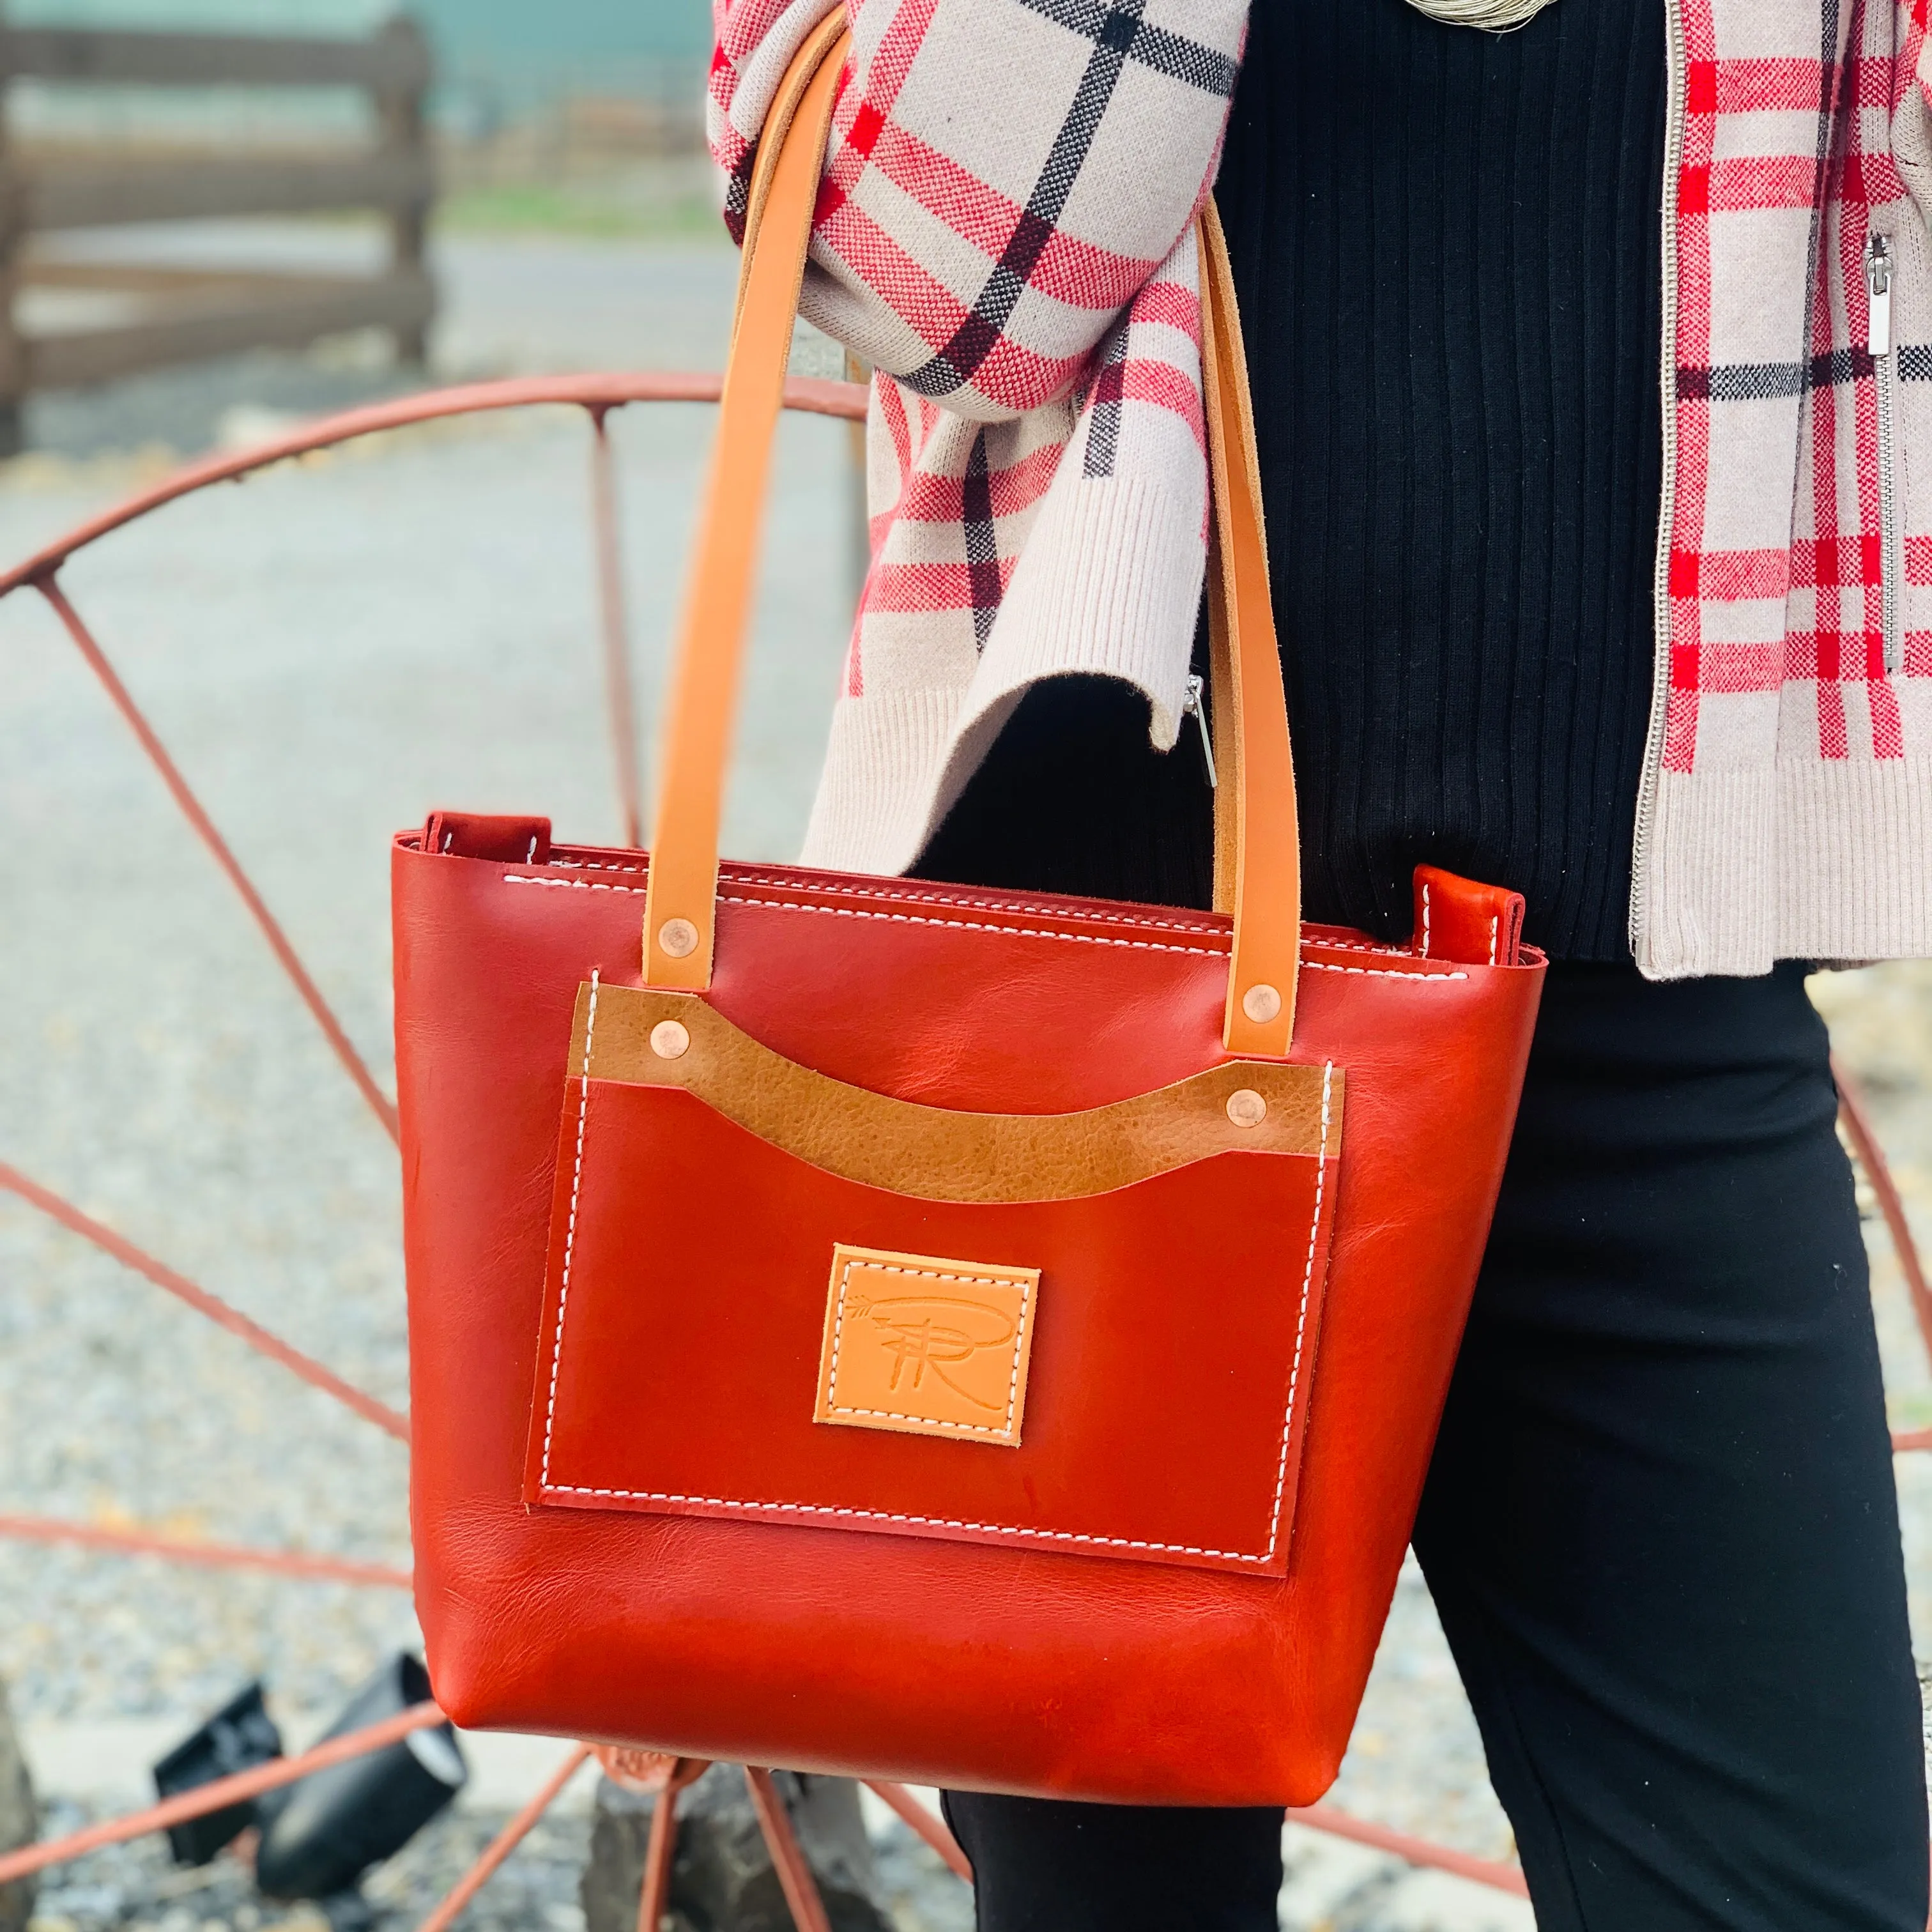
669, 1040
1246, 1108
1261, 1004
677, 938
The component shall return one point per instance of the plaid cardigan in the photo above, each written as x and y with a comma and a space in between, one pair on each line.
1004, 232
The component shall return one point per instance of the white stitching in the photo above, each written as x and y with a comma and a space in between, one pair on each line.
1301, 1320
895, 888
899, 918
570, 1230
1360, 946
1425, 919
1383, 972
886, 890
933, 1274
891, 1516
1495, 920
950, 1522
976, 925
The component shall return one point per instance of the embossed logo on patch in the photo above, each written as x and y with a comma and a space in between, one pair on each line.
925, 1345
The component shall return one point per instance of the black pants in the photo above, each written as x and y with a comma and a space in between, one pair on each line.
1660, 1527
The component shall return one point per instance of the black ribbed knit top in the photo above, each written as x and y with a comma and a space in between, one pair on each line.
1446, 245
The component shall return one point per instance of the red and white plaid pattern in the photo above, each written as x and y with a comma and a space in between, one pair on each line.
1788, 811
1004, 232
1775, 573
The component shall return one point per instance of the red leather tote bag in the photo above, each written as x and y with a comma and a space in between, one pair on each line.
870, 1326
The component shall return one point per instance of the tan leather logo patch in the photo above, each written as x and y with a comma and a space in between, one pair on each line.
926, 1346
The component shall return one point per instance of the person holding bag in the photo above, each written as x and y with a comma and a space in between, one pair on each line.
1588, 361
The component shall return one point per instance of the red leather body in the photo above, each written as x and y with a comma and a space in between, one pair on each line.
973, 1663
1457, 918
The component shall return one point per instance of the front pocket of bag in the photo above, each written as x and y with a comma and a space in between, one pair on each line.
732, 1329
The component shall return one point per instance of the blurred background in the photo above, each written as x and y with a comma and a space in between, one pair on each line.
218, 219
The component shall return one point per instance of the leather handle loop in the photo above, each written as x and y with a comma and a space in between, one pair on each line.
1257, 861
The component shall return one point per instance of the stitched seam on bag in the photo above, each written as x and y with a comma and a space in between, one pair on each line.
897, 918
1301, 1319
929, 1522
1359, 946
1425, 919
1383, 972
887, 888
951, 1523
570, 1229
1496, 922
935, 1274
974, 925
1020, 906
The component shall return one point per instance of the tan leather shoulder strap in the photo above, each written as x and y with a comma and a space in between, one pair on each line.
1265, 858
1258, 861
681, 885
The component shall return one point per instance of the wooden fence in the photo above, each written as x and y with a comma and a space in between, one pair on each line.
172, 315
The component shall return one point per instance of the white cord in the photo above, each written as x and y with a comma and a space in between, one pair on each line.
1497, 16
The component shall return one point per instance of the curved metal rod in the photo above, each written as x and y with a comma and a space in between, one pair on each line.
795, 1876
204, 828
210, 1555
316, 1374
1498, 1874
1859, 1131
1494, 1873
505, 1842
615, 625
814, 395
932, 1830
219, 1795
660, 1848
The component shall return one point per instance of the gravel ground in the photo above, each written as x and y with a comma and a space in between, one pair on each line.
134, 1886
330, 651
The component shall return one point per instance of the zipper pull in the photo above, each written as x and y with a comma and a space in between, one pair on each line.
1191, 706
1878, 287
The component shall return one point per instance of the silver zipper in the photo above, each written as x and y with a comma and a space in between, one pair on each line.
1879, 267
1191, 706
1667, 516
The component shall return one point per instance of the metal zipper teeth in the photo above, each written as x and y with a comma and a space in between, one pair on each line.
1192, 707
1885, 372
1891, 576
1666, 520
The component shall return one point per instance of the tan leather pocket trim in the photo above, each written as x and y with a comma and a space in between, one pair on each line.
931, 1152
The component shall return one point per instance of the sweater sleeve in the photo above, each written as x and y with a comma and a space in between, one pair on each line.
1912, 104
1003, 176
